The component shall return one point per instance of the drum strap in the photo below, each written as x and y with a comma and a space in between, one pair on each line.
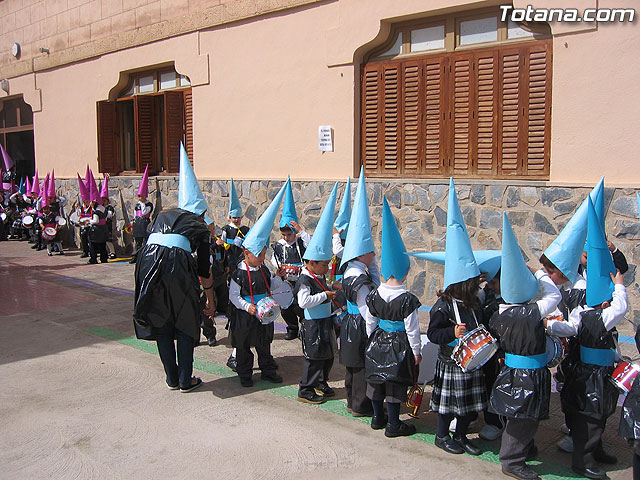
324, 289
532, 362
603, 357
251, 286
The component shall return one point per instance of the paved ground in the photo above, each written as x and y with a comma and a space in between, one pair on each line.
83, 399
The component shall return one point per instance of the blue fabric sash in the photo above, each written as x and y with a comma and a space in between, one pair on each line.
454, 343
170, 240
256, 298
391, 326
352, 308
603, 357
529, 362
319, 311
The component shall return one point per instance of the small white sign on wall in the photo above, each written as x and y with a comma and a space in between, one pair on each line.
325, 138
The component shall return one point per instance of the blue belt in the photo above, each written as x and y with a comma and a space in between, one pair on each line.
256, 298
170, 240
454, 343
529, 361
352, 308
391, 326
603, 357
319, 311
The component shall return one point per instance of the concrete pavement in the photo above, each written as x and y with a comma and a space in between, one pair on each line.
82, 398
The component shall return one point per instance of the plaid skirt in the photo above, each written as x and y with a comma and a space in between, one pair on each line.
456, 392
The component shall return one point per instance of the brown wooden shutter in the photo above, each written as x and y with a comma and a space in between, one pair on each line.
145, 126
461, 111
412, 106
485, 145
510, 116
108, 144
435, 114
391, 118
371, 119
188, 124
173, 124
538, 109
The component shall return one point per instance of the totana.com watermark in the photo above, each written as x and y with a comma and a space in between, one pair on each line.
531, 14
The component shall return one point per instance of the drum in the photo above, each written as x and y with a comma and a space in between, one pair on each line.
557, 349
237, 241
292, 271
474, 349
49, 232
27, 221
267, 310
74, 218
84, 221
624, 375
3, 217
283, 295
61, 222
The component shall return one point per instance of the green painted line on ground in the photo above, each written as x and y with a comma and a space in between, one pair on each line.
336, 407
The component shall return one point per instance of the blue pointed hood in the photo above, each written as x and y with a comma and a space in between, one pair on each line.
258, 236
235, 209
190, 197
21, 188
288, 209
488, 260
459, 264
517, 283
599, 262
342, 221
394, 261
566, 250
359, 240
320, 247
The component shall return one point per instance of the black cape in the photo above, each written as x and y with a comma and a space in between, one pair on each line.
141, 223
388, 356
588, 390
353, 330
318, 335
522, 393
233, 253
167, 284
98, 233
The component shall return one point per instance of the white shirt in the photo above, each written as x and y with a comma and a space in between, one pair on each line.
146, 210
306, 238
305, 298
550, 295
336, 245
95, 218
411, 325
234, 289
611, 315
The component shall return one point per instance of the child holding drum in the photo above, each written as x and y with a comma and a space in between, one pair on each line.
316, 299
49, 227
522, 391
250, 284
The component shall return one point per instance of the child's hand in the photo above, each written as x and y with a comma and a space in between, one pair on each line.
460, 330
281, 272
330, 295
335, 230
418, 359
337, 285
252, 309
618, 279
296, 226
219, 241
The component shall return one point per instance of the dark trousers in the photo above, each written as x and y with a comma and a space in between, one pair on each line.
96, 248
208, 328
179, 374
221, 293
314, 373
244, 359
356, 386
292, 317
517, 439
3, 231
586, 433
84, 240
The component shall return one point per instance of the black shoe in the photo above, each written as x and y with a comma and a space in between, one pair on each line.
84, 255
591, 472
92, 262
400, 430
232, 363
133, 260
291, 335
212, 342
601, 456
271, 376
246, 381
466, 445
325, 390
195, 383
50, 254
524, 473
378, 423
112, 256
34, 246
313, 399
448, 445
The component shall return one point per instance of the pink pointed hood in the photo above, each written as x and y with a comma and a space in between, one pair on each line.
84, 193
51, 191
104, 191
143, 189
35, 185
93, 188
28, 190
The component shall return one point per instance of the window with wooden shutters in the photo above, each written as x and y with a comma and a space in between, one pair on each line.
479, 112
146, 124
